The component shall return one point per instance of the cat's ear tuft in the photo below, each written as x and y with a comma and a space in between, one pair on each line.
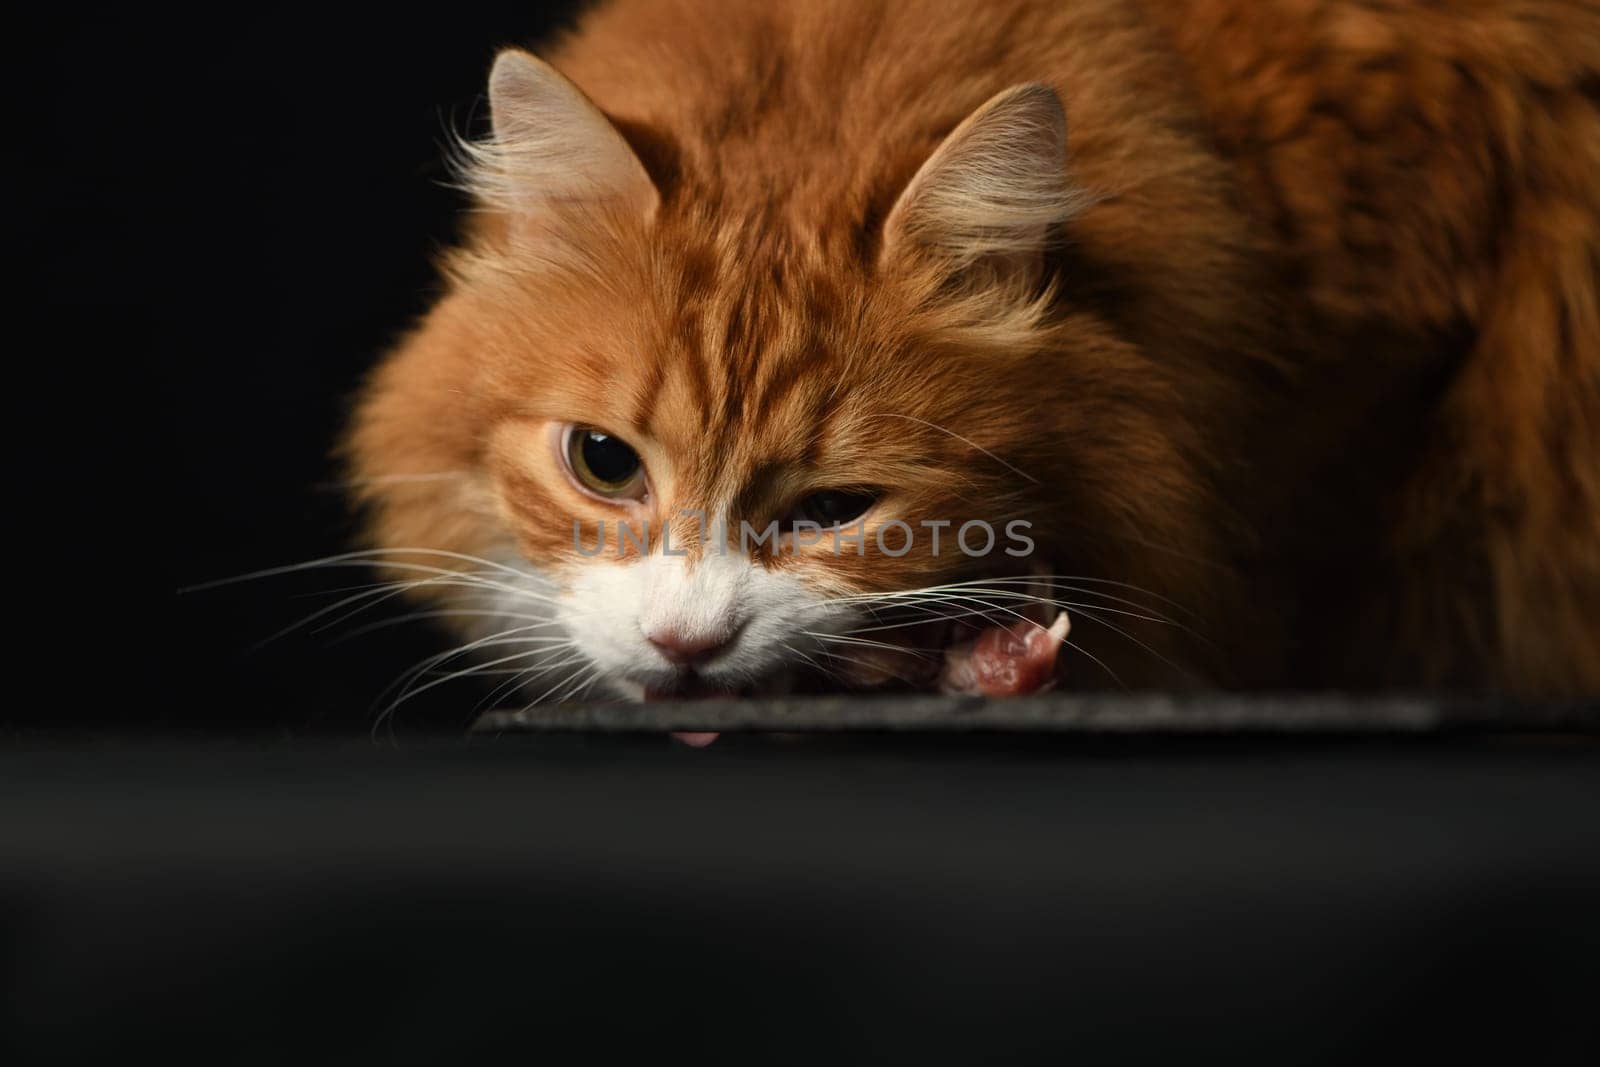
994, 191
551, 145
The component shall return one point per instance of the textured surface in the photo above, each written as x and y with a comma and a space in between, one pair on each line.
1060, 713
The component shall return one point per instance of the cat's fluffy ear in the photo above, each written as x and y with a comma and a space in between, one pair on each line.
994, 191
551, 145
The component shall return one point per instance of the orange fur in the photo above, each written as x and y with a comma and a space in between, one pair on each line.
1317, 357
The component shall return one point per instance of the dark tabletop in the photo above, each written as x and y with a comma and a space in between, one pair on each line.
909, 899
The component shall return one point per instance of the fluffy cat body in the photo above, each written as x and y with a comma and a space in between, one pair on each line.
1277, 322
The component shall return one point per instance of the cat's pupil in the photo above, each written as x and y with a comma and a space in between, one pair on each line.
607, 458
834, 507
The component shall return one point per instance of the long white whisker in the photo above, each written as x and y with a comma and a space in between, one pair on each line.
1034, 599
524, 677
1060, 580
446, 613
1085, 652
428, 664
581, 680
1063, 585
966, 441
416, 691
1054, 580
791, 649
368, 599
852, 640
540, 699
1119, 630
372, 556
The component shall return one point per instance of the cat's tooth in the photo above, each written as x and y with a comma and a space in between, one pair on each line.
1040, 585
1060, 628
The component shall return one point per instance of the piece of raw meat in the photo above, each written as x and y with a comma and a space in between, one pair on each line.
1005, 661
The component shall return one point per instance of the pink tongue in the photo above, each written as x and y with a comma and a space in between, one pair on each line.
1005, 660
692, 738
695, 740
701, 738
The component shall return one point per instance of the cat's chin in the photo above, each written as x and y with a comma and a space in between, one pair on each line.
696, 689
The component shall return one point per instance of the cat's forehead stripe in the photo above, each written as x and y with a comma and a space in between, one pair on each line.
647, 396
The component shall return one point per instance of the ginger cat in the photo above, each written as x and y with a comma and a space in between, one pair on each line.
1263, 336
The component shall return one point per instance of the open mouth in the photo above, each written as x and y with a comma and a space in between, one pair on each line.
993, 657
970, 658
1010, 655
993, 652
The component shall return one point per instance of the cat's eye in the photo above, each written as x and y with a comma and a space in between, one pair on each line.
604, 465
834, 507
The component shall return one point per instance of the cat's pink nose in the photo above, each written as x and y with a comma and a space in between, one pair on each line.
687, 650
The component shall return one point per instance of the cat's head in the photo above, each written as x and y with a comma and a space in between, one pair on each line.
691, 428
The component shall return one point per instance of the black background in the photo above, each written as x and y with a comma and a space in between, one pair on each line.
225, 218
